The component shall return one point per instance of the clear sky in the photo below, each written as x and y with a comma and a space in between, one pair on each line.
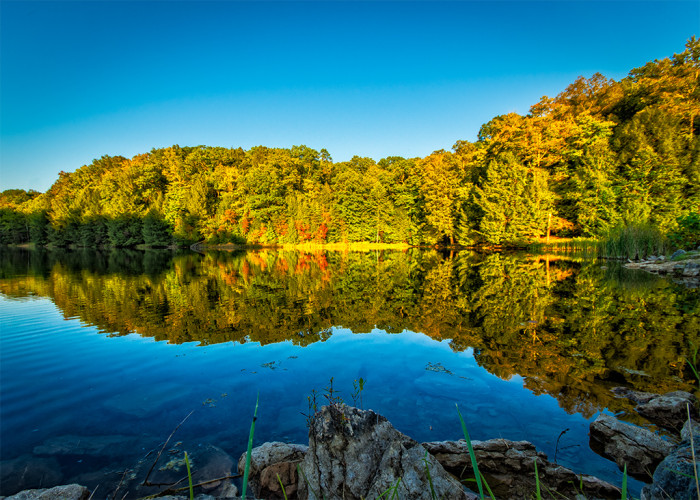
82, 79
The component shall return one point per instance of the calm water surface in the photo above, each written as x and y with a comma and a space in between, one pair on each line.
128, 343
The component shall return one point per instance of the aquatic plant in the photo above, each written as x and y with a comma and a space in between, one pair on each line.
189, 476
250, 448
634, 241
358, 386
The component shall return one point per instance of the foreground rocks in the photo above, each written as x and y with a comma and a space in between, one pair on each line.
356, 454
269, 461
68, 492
668, 465
637, 448
509, 469
674, 477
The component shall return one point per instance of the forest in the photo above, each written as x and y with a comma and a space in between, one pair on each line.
600, 155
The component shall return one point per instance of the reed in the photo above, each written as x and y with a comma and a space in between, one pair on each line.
634, 241
472, 456
250, 449
189, 476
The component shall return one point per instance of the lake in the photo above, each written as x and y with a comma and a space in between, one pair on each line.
103, 354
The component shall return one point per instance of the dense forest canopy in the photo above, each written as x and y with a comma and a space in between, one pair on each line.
600, 154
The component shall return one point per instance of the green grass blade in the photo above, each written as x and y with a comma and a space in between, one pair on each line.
472, 456
624, 483
189, 476
537, 482
488, 488
250, 449
433, 495
284, 492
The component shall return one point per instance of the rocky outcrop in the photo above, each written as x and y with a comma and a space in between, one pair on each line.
356, 454
67, 492
269, 461
640, 449
509, 469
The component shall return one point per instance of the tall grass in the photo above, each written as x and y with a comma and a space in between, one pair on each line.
634, 241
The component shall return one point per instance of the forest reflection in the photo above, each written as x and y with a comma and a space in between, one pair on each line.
571, 327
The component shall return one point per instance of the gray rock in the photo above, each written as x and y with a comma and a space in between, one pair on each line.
688, 427
28, 471
662, 257
68, 492
640, 449
509, 469
267, 462
674, 477
669, 410
677, 253
357, 454
637, 397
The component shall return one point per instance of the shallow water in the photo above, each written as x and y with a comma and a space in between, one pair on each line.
128, 343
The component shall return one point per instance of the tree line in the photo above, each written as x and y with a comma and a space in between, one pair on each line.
599, 155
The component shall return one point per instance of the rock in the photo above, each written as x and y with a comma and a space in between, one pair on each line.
106, 446
691, 270
357, 454
28, 471
142, 401
669, 410
207, 463
509, 469
662, 257
640, 449
269, 460
634, 396
688, 427
674, 477
68, 492
677, 253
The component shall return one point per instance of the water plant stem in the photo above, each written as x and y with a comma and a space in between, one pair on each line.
189, 475
250, 449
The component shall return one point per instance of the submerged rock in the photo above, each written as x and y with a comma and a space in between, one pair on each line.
67, 492
640, 449
637, 397
209, 464
356, 454
509, 469
28, 471
106, 446
267, 462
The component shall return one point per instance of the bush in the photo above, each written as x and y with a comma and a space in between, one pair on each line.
687, 236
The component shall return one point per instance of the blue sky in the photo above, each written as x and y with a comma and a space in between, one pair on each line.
86, 78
